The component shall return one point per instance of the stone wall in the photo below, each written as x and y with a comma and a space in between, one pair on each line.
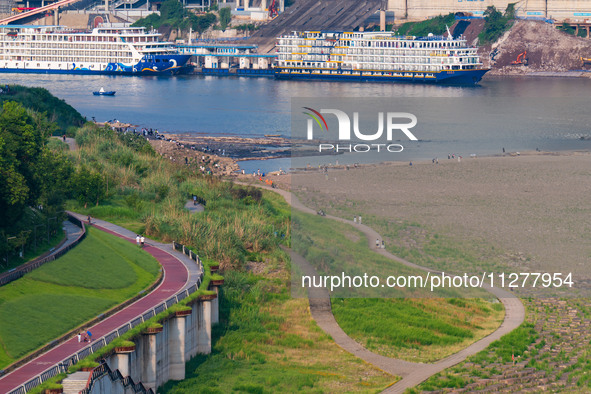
160, 354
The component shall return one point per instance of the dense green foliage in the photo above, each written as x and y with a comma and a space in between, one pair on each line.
174, 15
40, 100
225, 17
437, 26
496, 23
37, 176
34, 180
148, 194
69, 291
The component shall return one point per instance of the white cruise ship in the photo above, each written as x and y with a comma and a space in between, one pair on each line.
56, 49
376, 56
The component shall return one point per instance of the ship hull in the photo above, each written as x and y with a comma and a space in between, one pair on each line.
456, 77
152, 65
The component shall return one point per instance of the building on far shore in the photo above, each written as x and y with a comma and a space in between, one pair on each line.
559, 10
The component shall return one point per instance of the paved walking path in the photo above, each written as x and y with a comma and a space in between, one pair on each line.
180, 272
412, 373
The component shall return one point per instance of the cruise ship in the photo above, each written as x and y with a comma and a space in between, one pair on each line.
103, 50
377, 56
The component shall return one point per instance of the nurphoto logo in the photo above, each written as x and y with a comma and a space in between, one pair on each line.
392, 122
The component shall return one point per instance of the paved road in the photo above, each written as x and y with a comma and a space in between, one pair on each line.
180, 272
412, 373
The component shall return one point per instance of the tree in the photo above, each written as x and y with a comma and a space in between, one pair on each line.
88, 186
172, 12
21, 147
225, 18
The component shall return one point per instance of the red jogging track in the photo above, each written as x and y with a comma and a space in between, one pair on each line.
174, 280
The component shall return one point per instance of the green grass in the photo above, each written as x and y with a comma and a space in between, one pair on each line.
63, 294
423, 330
267, 343
114, 265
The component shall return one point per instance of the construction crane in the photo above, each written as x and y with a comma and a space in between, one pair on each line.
273, 12
521, 59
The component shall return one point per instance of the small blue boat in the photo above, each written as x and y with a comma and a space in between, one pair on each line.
103, 92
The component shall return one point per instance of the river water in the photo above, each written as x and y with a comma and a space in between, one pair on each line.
518, 113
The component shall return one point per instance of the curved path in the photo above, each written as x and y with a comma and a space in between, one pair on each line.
412, 373
179, 273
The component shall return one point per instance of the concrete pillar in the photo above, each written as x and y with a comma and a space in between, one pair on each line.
120, 361
176, 346
56, 18
215, 311
149, 361
246, 4
204, 342
263, 5
281, 5
237, 3
106, 5
382, 20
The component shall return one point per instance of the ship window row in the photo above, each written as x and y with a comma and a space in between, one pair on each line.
379, 43
62, 53
62, 45
405, 52
383, 59
67, 60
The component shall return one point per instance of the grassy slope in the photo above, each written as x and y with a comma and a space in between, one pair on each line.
63, 294
268, 342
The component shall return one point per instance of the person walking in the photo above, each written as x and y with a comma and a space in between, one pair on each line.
137, 240
79, 337
377, 242
142, 240
89, 335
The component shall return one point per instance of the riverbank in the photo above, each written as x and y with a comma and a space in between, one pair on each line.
518, 213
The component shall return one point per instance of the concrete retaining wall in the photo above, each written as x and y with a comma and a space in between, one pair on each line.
161, 355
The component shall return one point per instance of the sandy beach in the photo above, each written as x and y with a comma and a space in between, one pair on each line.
529, 212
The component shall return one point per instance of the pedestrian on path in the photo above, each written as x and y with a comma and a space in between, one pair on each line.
142, 240
89, 218
79, 337
359, 219
137, 240
89, 335
377, 242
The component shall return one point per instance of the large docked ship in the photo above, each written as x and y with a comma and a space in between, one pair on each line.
377, 56
103, 50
